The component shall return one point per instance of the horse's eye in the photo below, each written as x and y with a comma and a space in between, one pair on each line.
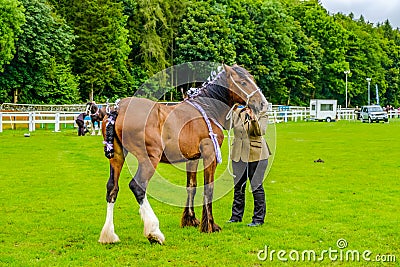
244, 83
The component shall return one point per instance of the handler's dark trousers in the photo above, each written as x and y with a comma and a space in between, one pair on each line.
81, 127
254, 171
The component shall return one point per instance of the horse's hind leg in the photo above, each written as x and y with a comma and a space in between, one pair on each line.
138, 185
188, 216
107, 233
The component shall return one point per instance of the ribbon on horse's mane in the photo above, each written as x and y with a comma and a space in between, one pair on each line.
193, 91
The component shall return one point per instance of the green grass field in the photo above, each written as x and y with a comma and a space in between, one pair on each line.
52, 203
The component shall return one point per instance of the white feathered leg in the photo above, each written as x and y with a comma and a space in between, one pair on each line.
151, 223
107, 233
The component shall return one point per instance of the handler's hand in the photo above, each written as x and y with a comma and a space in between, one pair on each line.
251, 114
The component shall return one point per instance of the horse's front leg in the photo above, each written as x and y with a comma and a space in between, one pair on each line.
99, 124
107, 233
138, 185
188, 216
207, 221
92, 127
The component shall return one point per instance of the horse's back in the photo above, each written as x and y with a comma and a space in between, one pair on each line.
138, 124
175, 131
138, 112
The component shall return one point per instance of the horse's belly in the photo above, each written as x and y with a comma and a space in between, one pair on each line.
174, 154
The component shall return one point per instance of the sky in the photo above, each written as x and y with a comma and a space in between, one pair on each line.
373, 11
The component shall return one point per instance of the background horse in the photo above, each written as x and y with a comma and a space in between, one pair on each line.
96, 115
156, 133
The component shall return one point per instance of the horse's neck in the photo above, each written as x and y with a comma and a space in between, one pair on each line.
215, 109
94, 109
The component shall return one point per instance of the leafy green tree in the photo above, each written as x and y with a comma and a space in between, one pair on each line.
152, 28
295, 49
151, 32
274, 42
101, 48
204, 34
331, 37
305, 73
392, 70
366, 59
44, 46
11, 19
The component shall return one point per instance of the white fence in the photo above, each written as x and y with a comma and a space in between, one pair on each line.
34, 108
32, 119
36, 119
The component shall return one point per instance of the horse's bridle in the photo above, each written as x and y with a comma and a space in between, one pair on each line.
89, 108
244, 92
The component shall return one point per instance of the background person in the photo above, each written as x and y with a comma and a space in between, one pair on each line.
80, 121
250, 155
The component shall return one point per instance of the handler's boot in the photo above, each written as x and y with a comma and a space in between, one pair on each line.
237, 206
259, 207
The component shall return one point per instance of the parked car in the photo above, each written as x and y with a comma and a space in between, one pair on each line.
373, 113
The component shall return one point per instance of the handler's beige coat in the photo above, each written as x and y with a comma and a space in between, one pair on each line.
249, 144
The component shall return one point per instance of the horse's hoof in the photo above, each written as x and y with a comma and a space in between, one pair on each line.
155, 239
216, 228
210, 228
192, 221
108, 238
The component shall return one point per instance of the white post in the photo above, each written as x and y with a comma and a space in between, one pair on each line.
1, 122
346, 72
31, 122
369, 97
57, 123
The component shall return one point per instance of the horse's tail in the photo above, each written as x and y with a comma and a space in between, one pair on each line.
110, 133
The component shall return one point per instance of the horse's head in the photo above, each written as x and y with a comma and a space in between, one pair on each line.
87, 109
245, 90
91, 108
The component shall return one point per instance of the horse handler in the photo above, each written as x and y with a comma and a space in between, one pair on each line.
80, 121
250, 155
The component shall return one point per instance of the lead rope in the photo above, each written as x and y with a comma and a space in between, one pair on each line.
229, 117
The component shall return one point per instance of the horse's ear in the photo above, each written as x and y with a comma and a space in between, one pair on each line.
227, 69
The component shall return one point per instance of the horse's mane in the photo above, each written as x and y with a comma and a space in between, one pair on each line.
216, 89
217, 86
214, 96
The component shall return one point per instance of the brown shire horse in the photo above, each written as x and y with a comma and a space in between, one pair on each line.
96, 115
156, 133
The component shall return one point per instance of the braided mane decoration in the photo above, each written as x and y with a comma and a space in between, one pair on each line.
212, 79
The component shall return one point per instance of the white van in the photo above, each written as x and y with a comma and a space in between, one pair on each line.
323, 109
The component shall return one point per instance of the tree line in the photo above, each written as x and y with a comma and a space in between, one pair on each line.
56, 52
